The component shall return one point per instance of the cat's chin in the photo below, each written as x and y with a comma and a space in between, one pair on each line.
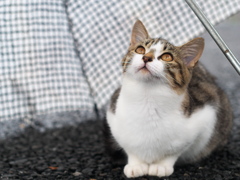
145, 75
144, 70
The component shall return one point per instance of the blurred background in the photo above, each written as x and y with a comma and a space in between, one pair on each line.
60, 61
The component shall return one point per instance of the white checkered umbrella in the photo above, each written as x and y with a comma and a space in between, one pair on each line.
59, 56
102, 32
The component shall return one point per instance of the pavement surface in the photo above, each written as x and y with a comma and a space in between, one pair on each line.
77, 152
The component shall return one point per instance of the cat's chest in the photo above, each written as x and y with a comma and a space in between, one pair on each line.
144, 109
149, 120
149, 106
149, 114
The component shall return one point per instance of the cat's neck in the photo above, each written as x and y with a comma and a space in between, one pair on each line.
147, 87
140, 91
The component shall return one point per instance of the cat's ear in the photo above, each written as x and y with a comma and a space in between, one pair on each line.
139, 33
192, 51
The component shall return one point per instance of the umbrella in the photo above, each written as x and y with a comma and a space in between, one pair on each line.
222, 45
103, 33
59, 57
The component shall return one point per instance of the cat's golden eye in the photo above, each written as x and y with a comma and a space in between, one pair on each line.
166, 57
140, 50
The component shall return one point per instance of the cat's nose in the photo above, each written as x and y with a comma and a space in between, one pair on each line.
147, 59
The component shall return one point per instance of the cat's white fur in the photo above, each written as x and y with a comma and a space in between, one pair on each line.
149, 123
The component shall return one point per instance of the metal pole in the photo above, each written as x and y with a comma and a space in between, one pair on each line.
212, 31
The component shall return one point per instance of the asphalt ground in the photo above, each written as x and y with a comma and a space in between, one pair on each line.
77, 152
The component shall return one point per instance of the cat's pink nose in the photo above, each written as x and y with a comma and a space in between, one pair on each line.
147, 59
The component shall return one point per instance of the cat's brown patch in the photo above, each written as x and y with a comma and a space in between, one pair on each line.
203, 90
150, 54
113, 101
149, 43
127, 59
177, 73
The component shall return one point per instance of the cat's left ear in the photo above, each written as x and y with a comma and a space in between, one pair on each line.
192, 51
139, 33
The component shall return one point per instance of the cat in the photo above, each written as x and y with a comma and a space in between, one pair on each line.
168, 109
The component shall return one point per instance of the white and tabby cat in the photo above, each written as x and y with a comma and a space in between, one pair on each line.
168, 108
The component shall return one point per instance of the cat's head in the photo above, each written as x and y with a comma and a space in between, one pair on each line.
150, 59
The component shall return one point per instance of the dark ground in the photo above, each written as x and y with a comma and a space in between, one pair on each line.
77, 152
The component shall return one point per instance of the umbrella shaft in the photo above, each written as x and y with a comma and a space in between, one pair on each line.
217, 38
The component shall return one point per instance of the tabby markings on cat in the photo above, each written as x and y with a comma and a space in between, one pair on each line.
168, 108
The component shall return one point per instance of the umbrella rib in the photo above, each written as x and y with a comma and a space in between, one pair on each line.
214, 34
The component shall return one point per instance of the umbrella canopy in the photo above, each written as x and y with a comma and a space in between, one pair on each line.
102, 32
65, 56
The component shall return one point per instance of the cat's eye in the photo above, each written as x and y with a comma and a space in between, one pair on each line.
140, 50
166, 57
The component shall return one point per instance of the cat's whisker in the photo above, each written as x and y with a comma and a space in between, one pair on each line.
172, 78
177, 68
174, 68
166, 79
182, 80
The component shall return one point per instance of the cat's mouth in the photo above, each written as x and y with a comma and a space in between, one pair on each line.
144, 70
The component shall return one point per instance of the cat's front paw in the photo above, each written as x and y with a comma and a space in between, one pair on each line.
137, 170
160, 170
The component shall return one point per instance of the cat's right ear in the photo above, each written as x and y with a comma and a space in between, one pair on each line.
192, 51
139, 33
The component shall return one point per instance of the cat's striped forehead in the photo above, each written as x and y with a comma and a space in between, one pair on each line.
158, 43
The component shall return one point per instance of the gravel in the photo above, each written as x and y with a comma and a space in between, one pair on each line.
78, 153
